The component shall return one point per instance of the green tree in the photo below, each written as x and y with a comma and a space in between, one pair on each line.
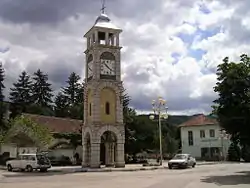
61, 106
72, 89
232, 105
73, 93
170, 138
129, 120
20, 94
41, 94
2, 111
233, 152
245, 153
40, 135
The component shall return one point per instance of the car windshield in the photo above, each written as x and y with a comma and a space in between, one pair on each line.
180, 157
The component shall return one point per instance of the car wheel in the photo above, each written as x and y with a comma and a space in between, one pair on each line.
170, 166
194, 165
29, 168
9, 168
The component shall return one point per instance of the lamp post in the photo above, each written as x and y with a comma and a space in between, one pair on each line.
223, 136
160, 110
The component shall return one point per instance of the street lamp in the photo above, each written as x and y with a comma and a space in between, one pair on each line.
160, 110
223, 136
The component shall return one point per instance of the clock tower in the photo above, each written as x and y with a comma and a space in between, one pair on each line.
103, 130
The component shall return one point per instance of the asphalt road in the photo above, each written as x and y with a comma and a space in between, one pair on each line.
207, 176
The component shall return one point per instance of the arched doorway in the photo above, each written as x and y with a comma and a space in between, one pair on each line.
87, 150
108, 148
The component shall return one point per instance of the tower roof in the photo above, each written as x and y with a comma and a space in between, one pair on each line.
104, 21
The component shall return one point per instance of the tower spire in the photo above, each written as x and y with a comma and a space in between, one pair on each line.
103, 7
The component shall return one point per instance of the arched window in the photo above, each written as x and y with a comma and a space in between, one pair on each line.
89, 109
107, 108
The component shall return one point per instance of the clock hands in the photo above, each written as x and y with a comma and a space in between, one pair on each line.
108, 67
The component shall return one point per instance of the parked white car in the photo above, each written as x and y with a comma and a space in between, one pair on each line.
29, 162
182, 161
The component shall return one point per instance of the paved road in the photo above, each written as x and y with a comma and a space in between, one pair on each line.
207, 176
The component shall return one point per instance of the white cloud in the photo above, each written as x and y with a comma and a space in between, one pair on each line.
155, 59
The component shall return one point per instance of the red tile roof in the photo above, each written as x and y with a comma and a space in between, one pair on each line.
55, 124
199, 120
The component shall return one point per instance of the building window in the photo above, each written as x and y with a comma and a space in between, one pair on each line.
202, 134
190, 138
89, 109
212, 133
107, 108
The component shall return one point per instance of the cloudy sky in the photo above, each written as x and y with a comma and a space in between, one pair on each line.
170, 48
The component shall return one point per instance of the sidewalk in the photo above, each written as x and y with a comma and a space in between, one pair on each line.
130, 167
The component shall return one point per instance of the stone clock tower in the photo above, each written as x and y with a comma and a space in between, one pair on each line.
103, 130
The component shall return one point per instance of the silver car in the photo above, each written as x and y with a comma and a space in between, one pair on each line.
182, 161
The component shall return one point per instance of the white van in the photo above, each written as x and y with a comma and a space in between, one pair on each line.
29, 162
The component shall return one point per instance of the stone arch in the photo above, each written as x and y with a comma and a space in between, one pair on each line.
107, 56
108, 148
113, 129
111, 86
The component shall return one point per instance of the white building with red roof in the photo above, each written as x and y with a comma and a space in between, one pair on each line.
202, 137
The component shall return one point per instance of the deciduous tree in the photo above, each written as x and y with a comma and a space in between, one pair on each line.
233, 102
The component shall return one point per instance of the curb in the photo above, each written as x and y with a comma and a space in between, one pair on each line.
83, 170
213, 163
110, 169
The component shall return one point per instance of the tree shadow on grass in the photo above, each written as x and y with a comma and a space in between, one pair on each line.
238, 178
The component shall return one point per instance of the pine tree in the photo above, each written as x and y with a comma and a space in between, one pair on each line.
79, 94
74, 95
2, 123
61, 106
72, 90
20, 94
41, 90
1, 82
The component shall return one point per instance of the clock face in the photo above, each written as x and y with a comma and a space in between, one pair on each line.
107, 67
90, 69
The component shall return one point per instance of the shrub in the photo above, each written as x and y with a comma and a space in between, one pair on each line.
234, 153
245, 153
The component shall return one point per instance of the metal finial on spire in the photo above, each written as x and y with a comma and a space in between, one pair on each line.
103, 7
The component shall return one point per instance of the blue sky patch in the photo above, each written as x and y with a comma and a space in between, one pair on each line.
203, 8
197, 54
204, 34
4, 50
176, 56
189, 39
